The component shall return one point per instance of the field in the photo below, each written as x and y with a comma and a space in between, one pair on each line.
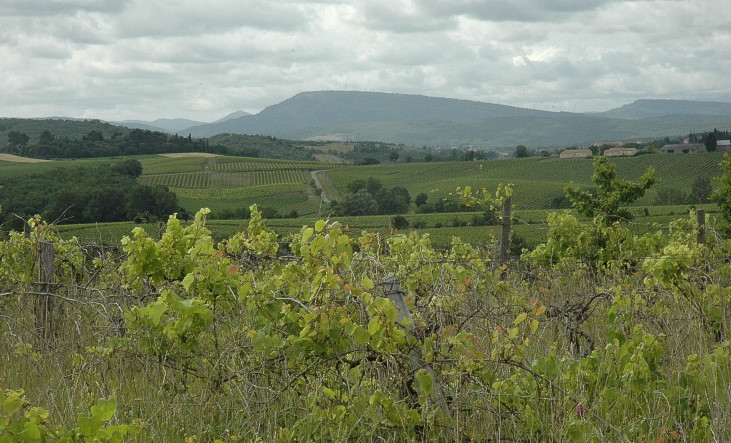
537, 181
529, 225
231, 183
15, 159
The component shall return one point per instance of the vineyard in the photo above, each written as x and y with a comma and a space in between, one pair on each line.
537, 181
598, 334
195, 180
266, 166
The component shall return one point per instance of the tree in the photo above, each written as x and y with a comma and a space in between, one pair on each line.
521, 152
106, 205
711, 141
701, 191
94, 136
613, 192
671, 196
67, 206
393, 156
46, 136
399, 222
393, 201
131, 167
421, 199
155, 200
360, 203
16, 138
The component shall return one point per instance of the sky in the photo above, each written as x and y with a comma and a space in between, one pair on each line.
203, 59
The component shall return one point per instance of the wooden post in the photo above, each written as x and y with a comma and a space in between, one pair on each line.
416, 362
44, 301
701, 214
505, 234
495, 253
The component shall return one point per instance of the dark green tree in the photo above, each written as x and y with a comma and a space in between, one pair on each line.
16, 138
521, 152
421, 199
130, 167
67, 207
394, 200
94, 136
711, 141
399, 222
612, 192
106, 205
360, 203
155, 200
701, 190
393, 156
46, 136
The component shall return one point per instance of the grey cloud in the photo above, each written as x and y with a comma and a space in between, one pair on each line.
36, 8
516, 10
389, 16
196, 18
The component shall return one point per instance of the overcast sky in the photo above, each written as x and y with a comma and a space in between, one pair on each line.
202, 59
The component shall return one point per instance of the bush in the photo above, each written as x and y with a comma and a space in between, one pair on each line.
399, 222
419, 224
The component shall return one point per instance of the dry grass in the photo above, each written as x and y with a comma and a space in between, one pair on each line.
18, 159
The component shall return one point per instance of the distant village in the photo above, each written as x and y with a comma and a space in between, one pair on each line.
688, 146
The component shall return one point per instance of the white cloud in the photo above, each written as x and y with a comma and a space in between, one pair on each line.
146, 59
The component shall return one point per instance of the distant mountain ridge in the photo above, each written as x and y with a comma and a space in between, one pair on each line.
442, 122
417, 120
649, 108
335, 108
174, 125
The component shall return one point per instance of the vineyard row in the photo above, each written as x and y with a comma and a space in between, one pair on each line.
204, 180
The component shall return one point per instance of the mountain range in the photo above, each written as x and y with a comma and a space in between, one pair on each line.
419, 120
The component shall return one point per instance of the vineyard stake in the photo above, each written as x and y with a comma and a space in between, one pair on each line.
395, 294
701, 214
505, 234
44, 301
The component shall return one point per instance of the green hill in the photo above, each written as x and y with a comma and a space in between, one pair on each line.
59, 128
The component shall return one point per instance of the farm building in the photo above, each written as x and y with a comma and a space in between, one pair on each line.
683, 148
723, 145
575, 153
620, 152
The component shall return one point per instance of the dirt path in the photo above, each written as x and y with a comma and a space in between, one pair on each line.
319, 186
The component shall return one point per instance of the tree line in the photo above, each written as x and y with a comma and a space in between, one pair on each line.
103, 193
95, 144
